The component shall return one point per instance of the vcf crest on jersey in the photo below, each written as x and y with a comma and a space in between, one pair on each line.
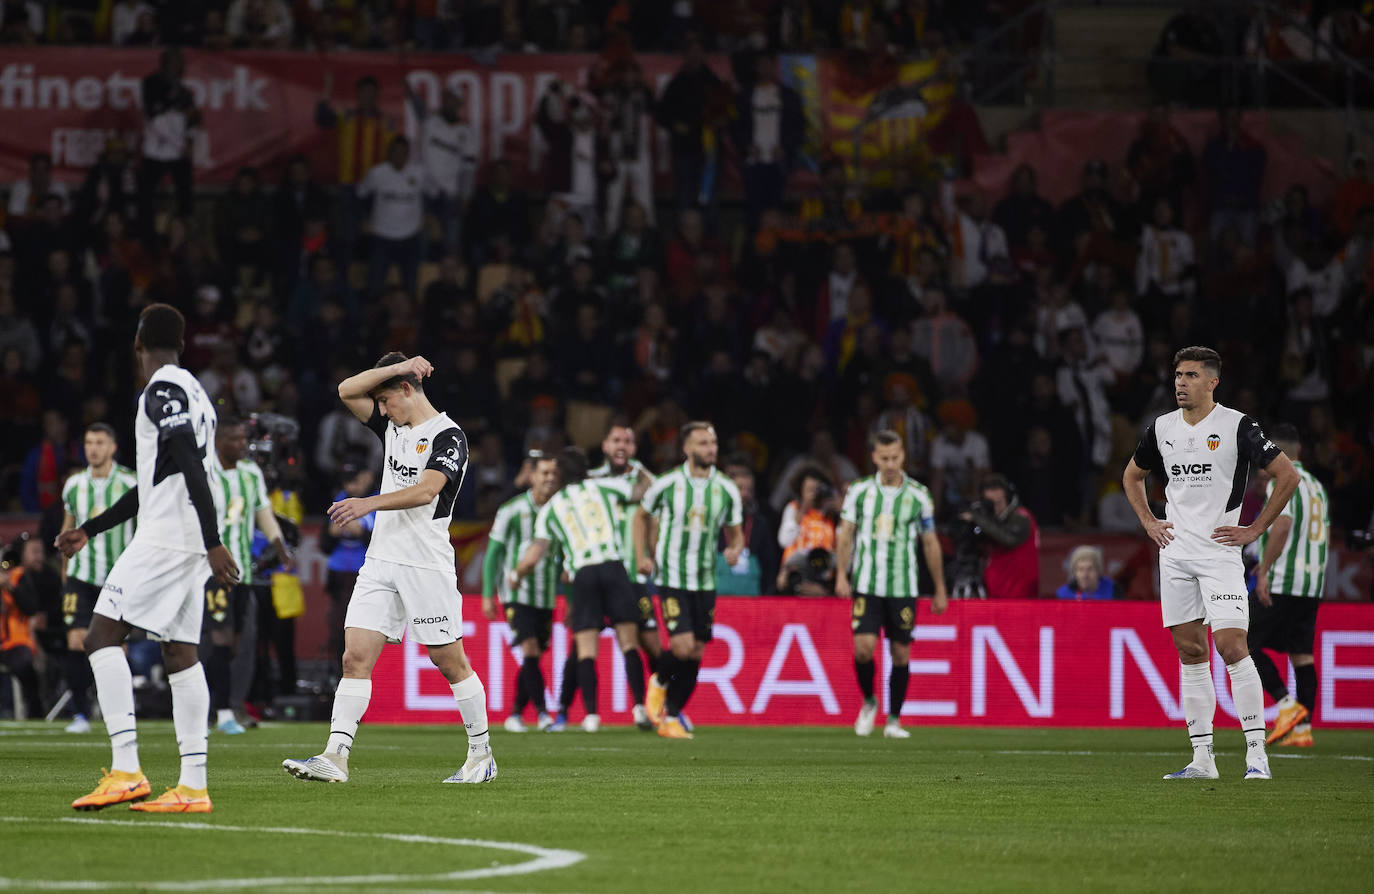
422, 446
1213, 442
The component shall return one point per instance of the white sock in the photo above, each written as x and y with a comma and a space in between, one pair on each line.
1199, 699
224, 715
1248, 694
114, 688
190, 708
472, 704
350, 703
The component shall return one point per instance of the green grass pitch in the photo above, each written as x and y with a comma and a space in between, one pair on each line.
756, 810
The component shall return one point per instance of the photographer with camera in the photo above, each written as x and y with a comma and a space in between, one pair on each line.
807, 535
886, 514
1001, 534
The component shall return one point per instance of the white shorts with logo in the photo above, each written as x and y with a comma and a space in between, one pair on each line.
389, 595
158, 589
1211, 589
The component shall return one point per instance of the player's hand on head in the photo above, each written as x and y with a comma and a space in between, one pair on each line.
70, 542
419, 366
223, 566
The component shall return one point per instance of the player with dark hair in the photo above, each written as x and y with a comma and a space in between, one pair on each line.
85, 495
158, 582
1288, 590
581, 518
1205, 452
692, 503
618, 448
409, 576
886, 513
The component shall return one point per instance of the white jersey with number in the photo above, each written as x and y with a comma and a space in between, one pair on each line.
173, 405
418, 536
1207, 467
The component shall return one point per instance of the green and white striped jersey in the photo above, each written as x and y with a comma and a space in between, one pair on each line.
889, 522
1300, 569
580, 518
514, 529
691, 512
84, 496
242, 492
625, 523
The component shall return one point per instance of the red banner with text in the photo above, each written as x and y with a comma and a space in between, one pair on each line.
994, 663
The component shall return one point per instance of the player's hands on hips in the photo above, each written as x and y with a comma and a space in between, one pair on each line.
1262, 588
490, 610
1234, 535
417, 365
70, 542
1161, 532
223, 566
349, 510
940, 602
843, 588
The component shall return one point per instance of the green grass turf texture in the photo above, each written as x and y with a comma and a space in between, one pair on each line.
757, 810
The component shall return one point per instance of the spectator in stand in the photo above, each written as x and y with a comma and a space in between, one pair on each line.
1164, 270
259, 24
628, 108
1011, 540
959, 457
757, 568
832, 299
769, 130
124, 18
18, 334
28, 194
821, 455
365, 137
241, 216
231, 387
978, 244
1082, 381
1049, 493
1234, 163
498, 211
903, 417
397, 188
324, 285
1023, 208
111, 185
1118, 335
1307, 353
206, 330
1356, 192
300, 210
579, 159
946, 342
45, 467
1086, 579
587, 360
808, 524
170, 117
21, 22
448, 151
694, 258
633, 247
343, 442
1161, 163
682, 111
1318, 269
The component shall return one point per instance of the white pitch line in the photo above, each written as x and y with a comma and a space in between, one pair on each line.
544, 859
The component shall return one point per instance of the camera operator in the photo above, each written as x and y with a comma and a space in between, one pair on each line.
807, 535
1009, 539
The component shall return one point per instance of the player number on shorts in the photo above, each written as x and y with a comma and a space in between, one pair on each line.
1316, 521
216, 601
68, 603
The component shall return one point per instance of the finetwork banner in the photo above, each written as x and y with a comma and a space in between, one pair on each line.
995, 663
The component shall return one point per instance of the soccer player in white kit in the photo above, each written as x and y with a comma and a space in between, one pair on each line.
1206, 452
158, 582
409, 575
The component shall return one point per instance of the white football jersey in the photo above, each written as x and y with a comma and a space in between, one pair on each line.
1206, 467
418, 536
172, 405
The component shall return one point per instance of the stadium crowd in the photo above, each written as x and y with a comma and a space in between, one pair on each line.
996, 333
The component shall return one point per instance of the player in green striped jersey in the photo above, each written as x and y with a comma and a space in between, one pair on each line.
85, 495
886, 514
241, 497
692, 503
581, 518
618, 448
1288, 588
529, 605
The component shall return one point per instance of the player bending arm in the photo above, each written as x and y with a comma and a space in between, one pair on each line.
530, 558
1286, 480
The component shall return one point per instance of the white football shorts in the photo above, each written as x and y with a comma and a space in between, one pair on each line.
158, 589
389, 595
1210, 589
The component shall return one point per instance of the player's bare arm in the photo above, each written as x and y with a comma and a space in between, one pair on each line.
418, 494
1279, 531
356, 391
528, 559
844, 552
734, 543
68, 522
643, 548
1133, 483
1285, 482
935, 561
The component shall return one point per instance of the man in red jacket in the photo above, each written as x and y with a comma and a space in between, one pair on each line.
1011, 539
